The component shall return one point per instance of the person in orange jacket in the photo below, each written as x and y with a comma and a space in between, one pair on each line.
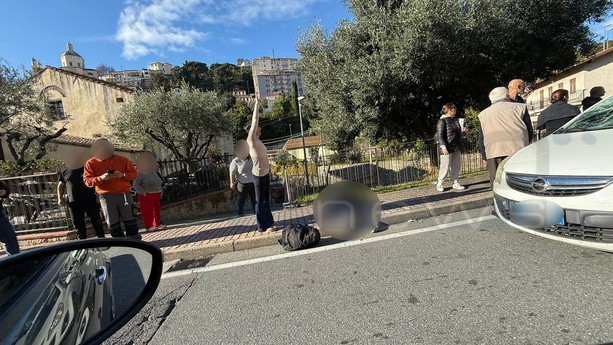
111, 174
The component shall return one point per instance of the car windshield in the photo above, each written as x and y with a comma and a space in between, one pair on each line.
596, 118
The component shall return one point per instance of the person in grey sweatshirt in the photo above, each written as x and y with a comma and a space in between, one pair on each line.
148, 187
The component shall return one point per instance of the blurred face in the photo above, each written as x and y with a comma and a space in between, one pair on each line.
146, 163
258, 131
78, 160
103, 150
242, 149
452, 111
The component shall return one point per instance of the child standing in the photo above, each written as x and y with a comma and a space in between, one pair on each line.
148, 186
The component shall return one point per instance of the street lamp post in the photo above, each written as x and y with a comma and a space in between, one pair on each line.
306, 167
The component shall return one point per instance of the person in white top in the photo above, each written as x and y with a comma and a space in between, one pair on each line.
261, 172
241, 176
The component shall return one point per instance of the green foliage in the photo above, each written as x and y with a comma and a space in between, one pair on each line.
314, 154
354, 156
420, 146
26, 120
293, 97
184, 122
222, 78
392, 144
335, 158
284, 159
472, 121
386, 73
241, 114
277, 122
10, 169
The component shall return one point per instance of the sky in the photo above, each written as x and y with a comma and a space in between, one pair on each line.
130, 34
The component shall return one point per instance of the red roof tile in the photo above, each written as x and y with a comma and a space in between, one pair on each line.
296, 143
68, 139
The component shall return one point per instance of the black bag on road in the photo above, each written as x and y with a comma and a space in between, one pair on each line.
299, 236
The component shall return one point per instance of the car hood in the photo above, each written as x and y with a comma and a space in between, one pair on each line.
578, 154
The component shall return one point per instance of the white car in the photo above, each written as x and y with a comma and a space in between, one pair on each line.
561, 187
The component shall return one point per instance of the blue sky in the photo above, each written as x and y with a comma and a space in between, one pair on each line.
132, 33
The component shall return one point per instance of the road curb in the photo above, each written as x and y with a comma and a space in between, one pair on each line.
429, 211
426, 211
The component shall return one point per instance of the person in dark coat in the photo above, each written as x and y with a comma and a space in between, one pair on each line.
449, 134
82, 200
7, 233
596, 94
557, 114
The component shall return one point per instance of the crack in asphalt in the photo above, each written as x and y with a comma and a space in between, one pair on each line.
145, 325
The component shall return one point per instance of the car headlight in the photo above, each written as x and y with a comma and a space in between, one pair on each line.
500, 170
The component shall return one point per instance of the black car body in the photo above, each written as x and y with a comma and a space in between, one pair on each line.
66, 298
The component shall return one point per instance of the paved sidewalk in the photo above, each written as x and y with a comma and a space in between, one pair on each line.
207, 237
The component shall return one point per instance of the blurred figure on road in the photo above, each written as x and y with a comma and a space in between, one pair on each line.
241, 176
111, 174
557, 114
504, 128
148, 187
449, 134
516, 89
82, 199
7, 233
596, 94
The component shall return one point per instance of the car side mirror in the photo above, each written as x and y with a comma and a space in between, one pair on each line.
80, 292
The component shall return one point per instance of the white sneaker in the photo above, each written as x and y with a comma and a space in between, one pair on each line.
457, 186
162, 227
439, 187
153, 228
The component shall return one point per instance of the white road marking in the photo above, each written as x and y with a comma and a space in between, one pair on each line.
328, 247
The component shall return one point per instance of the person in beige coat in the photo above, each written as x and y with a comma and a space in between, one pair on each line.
504, 128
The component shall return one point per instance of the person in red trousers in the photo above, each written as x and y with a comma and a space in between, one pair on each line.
148, 186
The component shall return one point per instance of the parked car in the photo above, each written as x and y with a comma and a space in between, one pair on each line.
63, 299
561, 187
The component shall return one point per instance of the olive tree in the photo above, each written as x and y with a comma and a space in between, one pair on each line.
386, 73
183, 122
26, 121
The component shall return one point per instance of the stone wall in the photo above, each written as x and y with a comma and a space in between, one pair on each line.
210, 204
87, 102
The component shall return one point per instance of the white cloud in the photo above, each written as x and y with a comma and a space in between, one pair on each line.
156, 26
248, 12
237, 40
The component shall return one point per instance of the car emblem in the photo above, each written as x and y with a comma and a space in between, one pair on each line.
540, 185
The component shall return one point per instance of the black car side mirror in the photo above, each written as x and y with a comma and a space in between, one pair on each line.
80, 292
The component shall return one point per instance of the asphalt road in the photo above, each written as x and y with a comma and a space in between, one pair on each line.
480, 282
131, 268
